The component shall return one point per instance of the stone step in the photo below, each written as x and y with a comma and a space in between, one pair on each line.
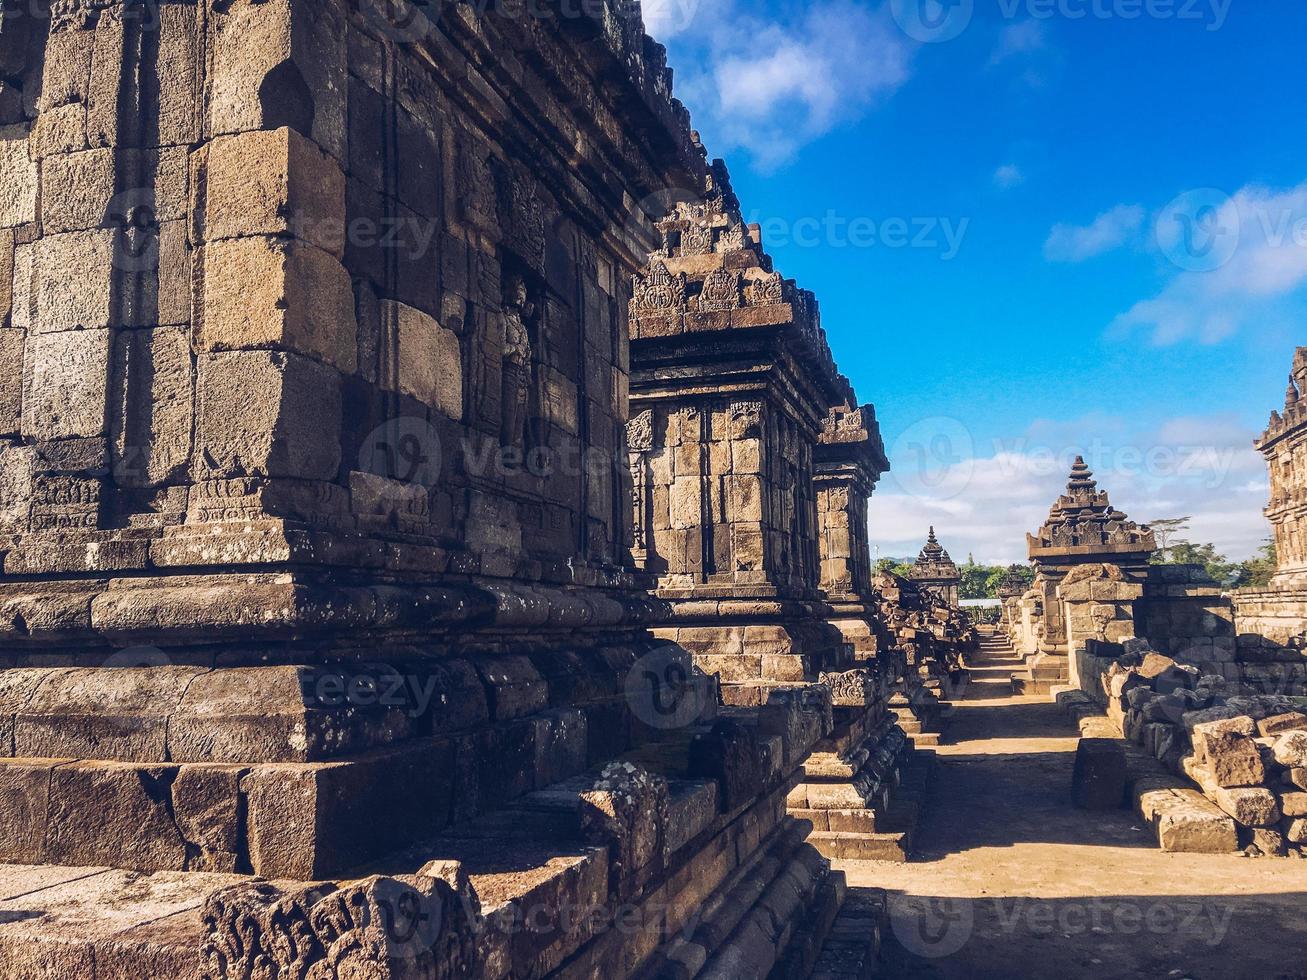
852, 950
894, 846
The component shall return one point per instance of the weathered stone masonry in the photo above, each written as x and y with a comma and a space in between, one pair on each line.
299, 291
752, 464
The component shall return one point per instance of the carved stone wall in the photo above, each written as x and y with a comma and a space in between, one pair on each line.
732, 381
315, 502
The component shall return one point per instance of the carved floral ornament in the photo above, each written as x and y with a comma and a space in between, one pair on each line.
660, 291
721, 291
639, 432
696, 239
766, 291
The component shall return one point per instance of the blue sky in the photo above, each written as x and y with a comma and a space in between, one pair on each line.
1077, 225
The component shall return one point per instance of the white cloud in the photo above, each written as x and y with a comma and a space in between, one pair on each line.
1110, 230
1228, 263
1017, 39
772, 86
665, 19
1203, 467
1008, 175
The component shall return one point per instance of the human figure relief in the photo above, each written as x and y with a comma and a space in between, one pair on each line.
516, 367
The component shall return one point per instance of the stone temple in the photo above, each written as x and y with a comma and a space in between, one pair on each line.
394, 552
434, 533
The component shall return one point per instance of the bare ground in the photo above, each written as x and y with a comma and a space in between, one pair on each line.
1011, 880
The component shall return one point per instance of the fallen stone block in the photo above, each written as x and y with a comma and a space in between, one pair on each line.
1188, 823
1234, 759
1098, 780
1276, 724
1291, 749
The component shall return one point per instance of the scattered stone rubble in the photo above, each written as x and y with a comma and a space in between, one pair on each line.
1245, 754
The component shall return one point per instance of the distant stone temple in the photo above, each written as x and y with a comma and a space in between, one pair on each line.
1090, 564
1011, 588
936, 571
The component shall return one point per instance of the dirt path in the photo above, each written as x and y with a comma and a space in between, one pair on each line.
1011, 880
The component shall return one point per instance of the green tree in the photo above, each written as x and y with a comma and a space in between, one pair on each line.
998, 573
1167, 529
1256, 572
1220, 568
895, 566
973, 579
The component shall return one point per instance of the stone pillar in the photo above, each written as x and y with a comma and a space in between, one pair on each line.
1098, 603
850, 461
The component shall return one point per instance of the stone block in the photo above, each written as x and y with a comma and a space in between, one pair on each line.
65, 383
274, 183
76, 190
72, 278
151, 421
267, 413
1293, 804
1291, 749
18, 178
207, 805
20, 314
102, 713
1278, 724
513, 685
264, 293
288, 714
1098, 779
430, 359
1233, 759
281, 63
732, 755
113, 814
12, 348
24, 797
172, 83
315, 821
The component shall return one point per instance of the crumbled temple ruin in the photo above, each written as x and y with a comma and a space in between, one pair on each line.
333, 644
1208, 684
434, 537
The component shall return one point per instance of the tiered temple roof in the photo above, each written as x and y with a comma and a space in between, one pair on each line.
1083, 522
934, 562
1295, 405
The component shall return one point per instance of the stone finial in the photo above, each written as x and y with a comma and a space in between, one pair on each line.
1082, 477
1083, 521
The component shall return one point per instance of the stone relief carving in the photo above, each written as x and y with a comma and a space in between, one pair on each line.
659, 292
515, 376
721, 291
